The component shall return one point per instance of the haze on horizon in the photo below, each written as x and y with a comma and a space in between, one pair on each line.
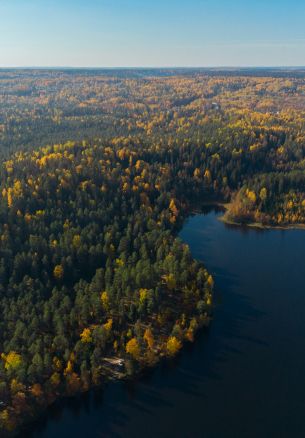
160, 33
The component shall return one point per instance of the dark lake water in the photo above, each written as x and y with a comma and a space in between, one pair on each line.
244, 377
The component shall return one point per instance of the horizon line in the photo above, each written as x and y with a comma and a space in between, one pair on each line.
222, 67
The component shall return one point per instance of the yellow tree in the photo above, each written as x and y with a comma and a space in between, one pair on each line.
143, 295
149, 338
251, 196
173, 345
263, 194
86, 335
207, 176
173, 208
58, 272
196, 173
133, 348
105, 300
12, 360
69, 368
108, 325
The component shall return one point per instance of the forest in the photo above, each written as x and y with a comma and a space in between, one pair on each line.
99, 170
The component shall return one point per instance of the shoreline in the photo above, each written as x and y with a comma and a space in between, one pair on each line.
28, 426
108, 378
254, 225
260, 226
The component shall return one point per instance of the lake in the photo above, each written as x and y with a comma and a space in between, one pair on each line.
243, 377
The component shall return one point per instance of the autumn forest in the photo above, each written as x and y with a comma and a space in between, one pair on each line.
99, 170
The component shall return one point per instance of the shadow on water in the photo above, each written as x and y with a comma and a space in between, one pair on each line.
178, 397
186, 375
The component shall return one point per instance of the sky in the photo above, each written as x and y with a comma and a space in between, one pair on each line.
152, 33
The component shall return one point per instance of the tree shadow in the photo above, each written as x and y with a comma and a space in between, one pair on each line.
108, 411
187, 380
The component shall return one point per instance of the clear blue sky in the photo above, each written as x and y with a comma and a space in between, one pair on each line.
152, 33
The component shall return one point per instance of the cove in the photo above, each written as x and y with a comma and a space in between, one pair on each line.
243, 377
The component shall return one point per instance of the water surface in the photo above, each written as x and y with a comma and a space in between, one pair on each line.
243, 377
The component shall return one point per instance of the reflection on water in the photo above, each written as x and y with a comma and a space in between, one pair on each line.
243, 377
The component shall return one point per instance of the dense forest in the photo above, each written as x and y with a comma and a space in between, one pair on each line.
98, 172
